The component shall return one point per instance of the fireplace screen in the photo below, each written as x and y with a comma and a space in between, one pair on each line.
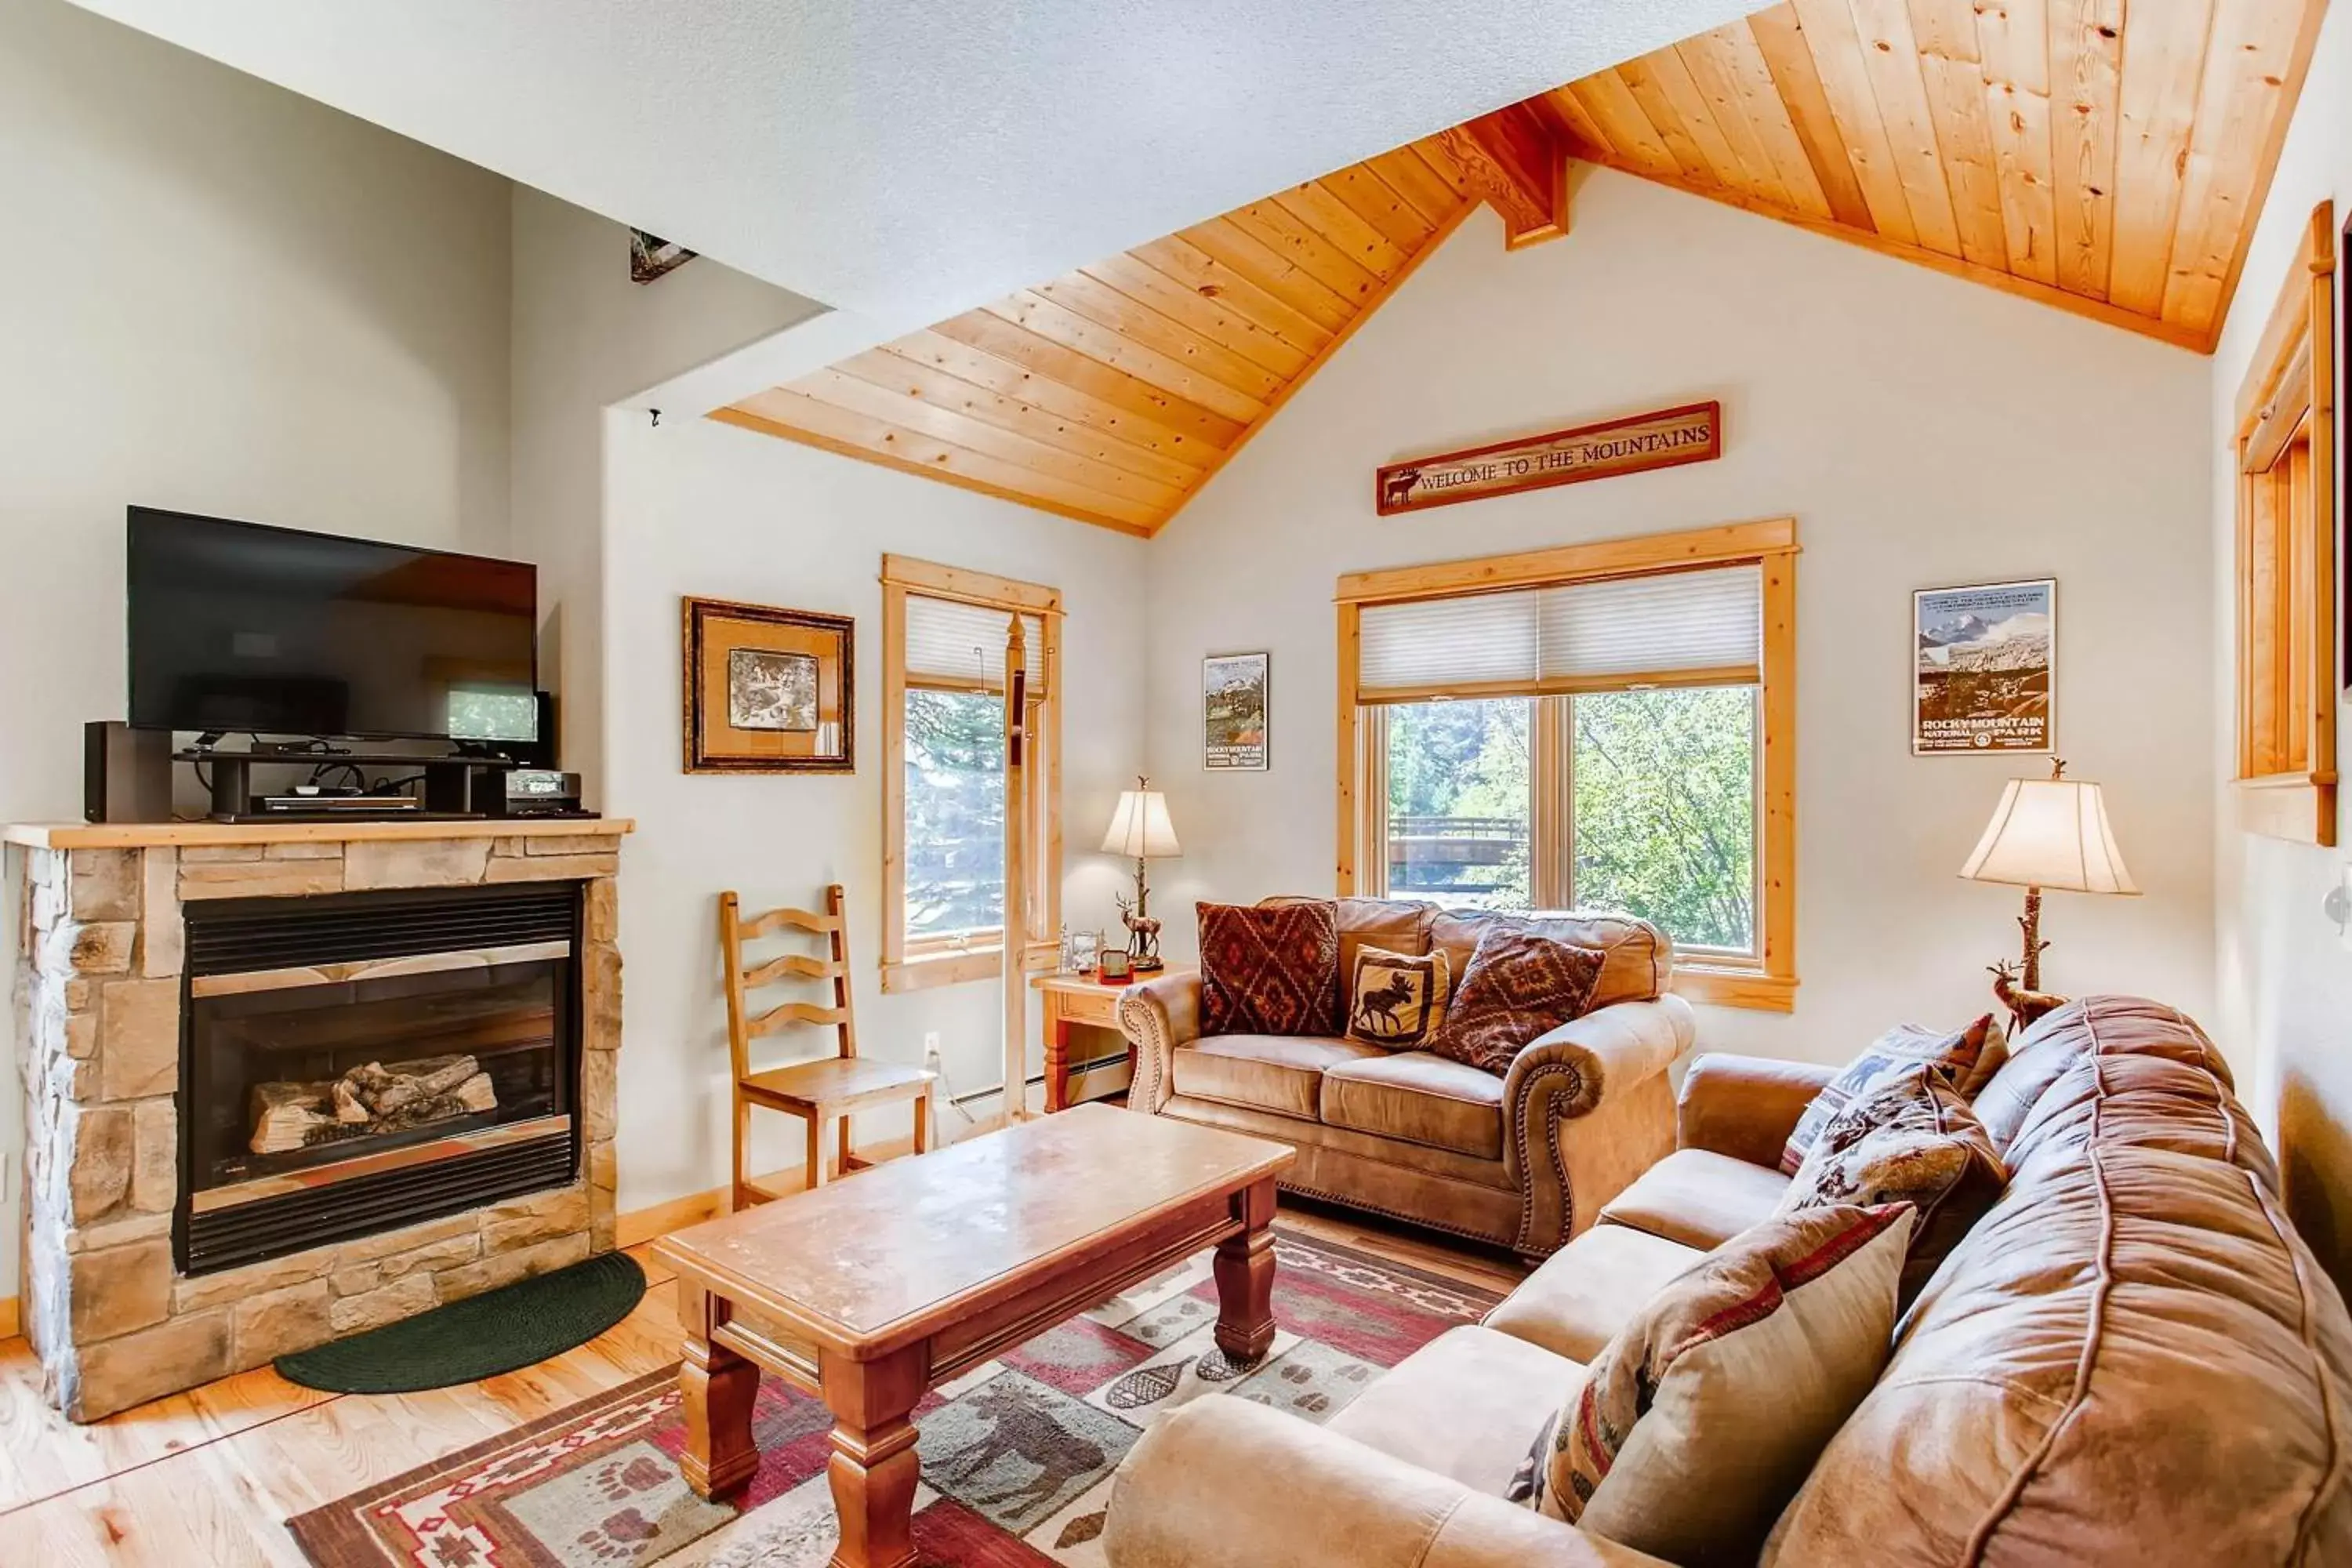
365, 1061
306, 1076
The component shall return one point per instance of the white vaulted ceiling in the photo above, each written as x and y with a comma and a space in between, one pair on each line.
909, 159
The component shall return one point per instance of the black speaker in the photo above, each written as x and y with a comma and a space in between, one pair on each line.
126, 774
544, 751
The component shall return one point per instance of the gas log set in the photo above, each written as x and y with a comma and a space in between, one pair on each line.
369, 1100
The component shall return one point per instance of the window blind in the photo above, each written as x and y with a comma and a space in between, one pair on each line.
956, 643
1564, 636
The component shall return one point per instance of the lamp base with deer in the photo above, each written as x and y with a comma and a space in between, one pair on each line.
2045, 833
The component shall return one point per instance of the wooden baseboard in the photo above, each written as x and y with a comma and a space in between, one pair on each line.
11, 1325
640, 1225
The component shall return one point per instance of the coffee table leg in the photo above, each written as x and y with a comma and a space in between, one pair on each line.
873, 1467
1245, 1271
718, 1388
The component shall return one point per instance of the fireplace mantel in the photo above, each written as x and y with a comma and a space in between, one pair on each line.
184, 835
100, 1002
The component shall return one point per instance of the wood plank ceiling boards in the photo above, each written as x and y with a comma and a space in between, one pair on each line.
1110, 394
2106, 158
2102, 157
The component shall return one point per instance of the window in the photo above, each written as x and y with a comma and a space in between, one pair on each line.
1603, 727
2285, 451
943, 904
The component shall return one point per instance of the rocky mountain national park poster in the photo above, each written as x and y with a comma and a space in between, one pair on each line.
1234, 712
1987, 666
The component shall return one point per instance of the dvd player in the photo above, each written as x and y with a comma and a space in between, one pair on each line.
324, 805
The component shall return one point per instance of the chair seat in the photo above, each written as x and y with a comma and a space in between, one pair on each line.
1280, 1073
1419, 1097
837, 1082
1697, 1197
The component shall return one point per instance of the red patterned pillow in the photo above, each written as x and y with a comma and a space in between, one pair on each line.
1270, 969
1518, 987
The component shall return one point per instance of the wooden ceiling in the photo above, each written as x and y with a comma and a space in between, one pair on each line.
1111, 393
2105, 157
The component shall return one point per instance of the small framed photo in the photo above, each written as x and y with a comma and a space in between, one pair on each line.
1234, 711
1985, 666
768, 690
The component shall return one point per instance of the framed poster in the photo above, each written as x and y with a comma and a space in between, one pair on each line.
768, 690
1985, 666
1234, 711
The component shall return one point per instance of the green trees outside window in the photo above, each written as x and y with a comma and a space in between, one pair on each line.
1658, 818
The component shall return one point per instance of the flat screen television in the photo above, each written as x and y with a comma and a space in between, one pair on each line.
241, 626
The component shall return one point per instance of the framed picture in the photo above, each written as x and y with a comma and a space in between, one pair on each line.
1985, 666
1234, 711
768, 690
652, 257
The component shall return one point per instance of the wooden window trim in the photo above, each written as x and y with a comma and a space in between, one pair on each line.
2287, 403
1768, 982
925, 962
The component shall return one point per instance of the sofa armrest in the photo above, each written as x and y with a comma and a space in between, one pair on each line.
1156, 1016
1227, 1483
1585, 1108
1746, 1107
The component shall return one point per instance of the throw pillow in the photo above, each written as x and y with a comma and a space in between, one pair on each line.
1516, 986
1399, 1000
1693, 1428
1911, 1139
1967, 1058
1270, 969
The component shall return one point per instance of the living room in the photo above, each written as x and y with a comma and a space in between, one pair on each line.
285, 286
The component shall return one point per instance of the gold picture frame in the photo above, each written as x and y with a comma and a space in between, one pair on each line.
768, 690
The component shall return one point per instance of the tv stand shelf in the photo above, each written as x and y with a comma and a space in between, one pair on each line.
456, 787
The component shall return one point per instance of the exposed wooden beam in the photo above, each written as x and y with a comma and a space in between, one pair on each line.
1512, 160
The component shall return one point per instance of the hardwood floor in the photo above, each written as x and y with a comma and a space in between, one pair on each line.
209, 1476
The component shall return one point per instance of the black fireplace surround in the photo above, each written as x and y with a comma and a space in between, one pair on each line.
355, 1062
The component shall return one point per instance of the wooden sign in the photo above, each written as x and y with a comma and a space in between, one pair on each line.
1692, 433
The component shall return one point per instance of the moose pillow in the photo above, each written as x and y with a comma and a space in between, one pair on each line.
1399, 1001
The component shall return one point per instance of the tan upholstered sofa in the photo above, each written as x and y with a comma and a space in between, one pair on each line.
2132, 1359
1526, 1161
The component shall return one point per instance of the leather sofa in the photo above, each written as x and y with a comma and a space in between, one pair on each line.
1526, 1161
2132, 1359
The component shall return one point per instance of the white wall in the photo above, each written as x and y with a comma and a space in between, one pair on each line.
219, 297
1923, 431
2285, 980
696, 507
586, 337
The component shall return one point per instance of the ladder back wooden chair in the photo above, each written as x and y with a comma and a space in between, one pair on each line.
823, 1089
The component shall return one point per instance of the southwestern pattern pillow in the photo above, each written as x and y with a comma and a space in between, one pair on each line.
1909, 1138
1399, 1000
1692, 1429
1517, 986
1965, 1059
1270, 969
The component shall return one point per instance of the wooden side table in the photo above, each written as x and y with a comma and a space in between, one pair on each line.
1077, 999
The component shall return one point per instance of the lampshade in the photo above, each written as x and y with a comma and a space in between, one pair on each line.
1139, 828
2050, 833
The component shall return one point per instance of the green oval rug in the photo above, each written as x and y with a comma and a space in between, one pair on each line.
480, 1337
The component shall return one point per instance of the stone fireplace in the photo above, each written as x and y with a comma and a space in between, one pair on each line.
285, 1083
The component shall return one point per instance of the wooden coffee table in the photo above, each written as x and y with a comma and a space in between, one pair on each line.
868, 1292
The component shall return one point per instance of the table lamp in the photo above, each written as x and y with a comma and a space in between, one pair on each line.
1140, 829
2045, 833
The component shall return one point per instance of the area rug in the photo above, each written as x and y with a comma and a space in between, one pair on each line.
516, 1325
1017, 1454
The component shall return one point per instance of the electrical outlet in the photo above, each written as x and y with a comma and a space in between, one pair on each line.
930, 1042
